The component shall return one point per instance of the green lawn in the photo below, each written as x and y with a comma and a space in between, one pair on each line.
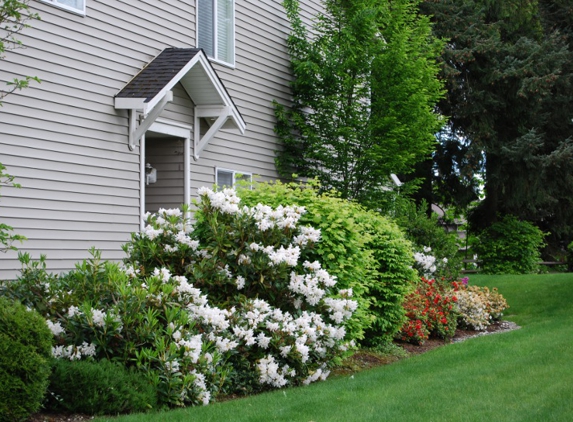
523, 375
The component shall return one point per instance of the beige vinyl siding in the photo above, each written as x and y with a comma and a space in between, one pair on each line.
67, 145
63, 139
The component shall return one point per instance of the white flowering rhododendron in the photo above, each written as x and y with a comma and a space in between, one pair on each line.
276, 336
425, 262
227, 303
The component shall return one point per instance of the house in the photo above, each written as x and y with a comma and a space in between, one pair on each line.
141, 103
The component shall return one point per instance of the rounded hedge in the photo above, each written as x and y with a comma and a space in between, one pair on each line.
25, 356
510, 246
99, 388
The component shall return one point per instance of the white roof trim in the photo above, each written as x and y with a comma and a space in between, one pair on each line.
145, 107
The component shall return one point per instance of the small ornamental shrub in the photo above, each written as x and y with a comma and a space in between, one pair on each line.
98, 388
510, 246
431, 311
25, 347
478, 306
436, 250
364, 250
226, 304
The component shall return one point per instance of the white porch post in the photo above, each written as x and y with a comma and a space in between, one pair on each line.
142, 179
187, 171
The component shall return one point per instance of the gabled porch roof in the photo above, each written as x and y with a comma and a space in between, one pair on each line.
150, 91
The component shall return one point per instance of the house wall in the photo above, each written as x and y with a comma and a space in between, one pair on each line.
67, 144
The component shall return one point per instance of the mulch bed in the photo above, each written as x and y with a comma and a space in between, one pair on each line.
358, 362
461, 335
363, 360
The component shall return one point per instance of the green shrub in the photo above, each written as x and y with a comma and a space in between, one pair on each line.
98, 388
363, 249
25, 349
509, 246
437, 249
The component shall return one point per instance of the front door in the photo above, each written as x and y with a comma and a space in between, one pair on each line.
164, 157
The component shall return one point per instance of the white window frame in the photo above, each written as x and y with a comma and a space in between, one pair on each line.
216, 22
235, 174
77, 11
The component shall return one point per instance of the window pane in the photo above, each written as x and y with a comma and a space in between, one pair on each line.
206, 16
224, 178
76, 4
225, 30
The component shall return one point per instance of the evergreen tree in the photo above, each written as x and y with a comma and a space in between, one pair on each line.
365, 88
508, 80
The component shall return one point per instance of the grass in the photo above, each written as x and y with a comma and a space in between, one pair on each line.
523, 375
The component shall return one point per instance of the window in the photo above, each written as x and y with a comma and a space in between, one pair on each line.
78, 6
216, 29
228, 178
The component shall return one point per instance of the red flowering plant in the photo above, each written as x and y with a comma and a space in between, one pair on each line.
430, 311
415, 329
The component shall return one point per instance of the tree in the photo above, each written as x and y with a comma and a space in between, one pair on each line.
14, 17
364, 90
7, 238
508, 80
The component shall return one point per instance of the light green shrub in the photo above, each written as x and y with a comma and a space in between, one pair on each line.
25, 348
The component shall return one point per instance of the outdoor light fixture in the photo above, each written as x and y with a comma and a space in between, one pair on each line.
150, 174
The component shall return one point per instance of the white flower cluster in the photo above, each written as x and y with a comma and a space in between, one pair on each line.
253, 326
287, 255
198, 306
131, 271
55, 327
151, 232
271, 373
74, 352
311, 286
192, 346
340, 309
473, 310
226, 200
204, 394
99, 316
320, 373
307, 235
312, 336
161, 223
281, 217
426, 262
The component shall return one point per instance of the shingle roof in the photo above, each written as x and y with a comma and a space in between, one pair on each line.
153, 78
188, 66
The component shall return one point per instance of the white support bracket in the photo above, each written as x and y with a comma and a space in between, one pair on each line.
135, 131
220, 116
